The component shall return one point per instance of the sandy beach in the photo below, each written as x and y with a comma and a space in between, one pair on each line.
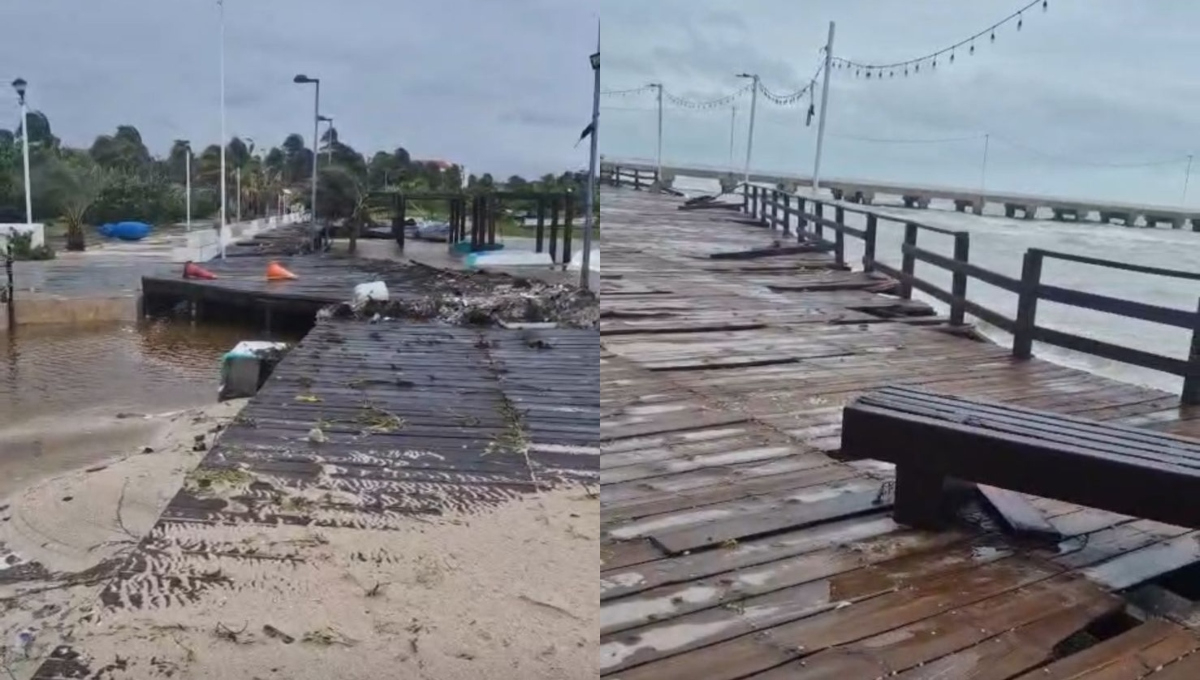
63, 533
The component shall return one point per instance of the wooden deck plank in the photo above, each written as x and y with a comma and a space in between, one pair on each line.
822, 336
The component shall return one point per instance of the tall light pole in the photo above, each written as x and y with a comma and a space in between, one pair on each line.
732, 132
753, 114
659, 87
329, 131
824, 105
20, 85
303, 80
187, 180
590, 195
224, 179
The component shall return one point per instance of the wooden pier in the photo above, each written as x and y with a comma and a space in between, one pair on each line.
364, 429
737, 543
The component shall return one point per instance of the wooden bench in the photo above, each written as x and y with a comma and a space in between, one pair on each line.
935, 438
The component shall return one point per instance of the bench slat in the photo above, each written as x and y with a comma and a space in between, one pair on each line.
1016, 425
1076, 422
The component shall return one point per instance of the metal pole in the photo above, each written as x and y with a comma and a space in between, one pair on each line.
987, 139
732, 132
316, 145
750, 137
25, 159
816, 183
329, 145
590, 195
239, 194
187, 164
1187, 176
660, 132
224, 181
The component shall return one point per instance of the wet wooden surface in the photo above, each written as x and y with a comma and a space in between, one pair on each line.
736, 545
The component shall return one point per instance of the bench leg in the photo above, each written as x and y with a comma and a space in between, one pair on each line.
919, 497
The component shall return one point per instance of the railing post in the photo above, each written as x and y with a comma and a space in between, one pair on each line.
819, 212
1191, 382
774, 209
637, 180
801, 222
839, 238
958, 285
1031, 278
754, 202
745, 199
787, 214
869, 243
908, 261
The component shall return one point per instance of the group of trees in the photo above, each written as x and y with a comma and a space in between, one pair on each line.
117, 178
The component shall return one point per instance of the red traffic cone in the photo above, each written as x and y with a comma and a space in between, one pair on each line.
191, 270
276, 272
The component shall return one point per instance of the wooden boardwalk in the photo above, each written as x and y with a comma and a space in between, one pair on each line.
737, 545
363, 428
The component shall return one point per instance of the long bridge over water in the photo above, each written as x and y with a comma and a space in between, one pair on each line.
642, 172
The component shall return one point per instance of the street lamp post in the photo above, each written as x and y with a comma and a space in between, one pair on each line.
302, 79
187, 172
590, 195
224, 179
329, 131
753, 113
20, 85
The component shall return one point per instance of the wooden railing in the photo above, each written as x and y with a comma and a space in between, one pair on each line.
813, 220
475, 217
619, 176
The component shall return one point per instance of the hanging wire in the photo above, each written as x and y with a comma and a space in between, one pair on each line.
627, 93
789, 98
932, 56
719, 102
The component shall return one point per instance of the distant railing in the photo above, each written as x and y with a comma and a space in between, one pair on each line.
776, 209
474, 218
618, 176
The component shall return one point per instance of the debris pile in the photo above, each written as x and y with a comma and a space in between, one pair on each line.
507, 302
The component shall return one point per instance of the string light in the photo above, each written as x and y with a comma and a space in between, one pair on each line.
950, 52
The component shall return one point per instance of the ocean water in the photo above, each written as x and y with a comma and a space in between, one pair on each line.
999, 243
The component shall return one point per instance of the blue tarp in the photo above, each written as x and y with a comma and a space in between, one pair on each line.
126, 231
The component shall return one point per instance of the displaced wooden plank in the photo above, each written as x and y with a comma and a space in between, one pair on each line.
1017, 512
790, 514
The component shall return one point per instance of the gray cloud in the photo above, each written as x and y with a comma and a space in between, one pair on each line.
1078, 89
439, 78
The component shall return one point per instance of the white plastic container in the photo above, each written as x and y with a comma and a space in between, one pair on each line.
376, 290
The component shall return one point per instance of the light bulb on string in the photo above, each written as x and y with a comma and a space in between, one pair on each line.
917, 68
993, 36
1020, 21
935, 62
972, 50
1045, 5
951, 56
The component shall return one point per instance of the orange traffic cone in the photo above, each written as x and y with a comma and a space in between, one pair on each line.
275, 272
191, 270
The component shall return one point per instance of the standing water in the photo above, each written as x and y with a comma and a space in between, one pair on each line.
72, 395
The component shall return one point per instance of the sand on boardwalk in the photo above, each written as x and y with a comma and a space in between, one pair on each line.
507, 592
63, 534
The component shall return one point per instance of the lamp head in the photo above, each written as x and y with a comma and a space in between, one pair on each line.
595, 58
301, 79
19, 85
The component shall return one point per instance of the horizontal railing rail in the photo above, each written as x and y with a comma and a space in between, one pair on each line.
619, 176
810, 220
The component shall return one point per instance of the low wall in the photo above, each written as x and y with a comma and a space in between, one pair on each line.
204, 244
38, 310
38, 230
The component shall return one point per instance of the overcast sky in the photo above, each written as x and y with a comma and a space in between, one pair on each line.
502, 86
1083, 85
